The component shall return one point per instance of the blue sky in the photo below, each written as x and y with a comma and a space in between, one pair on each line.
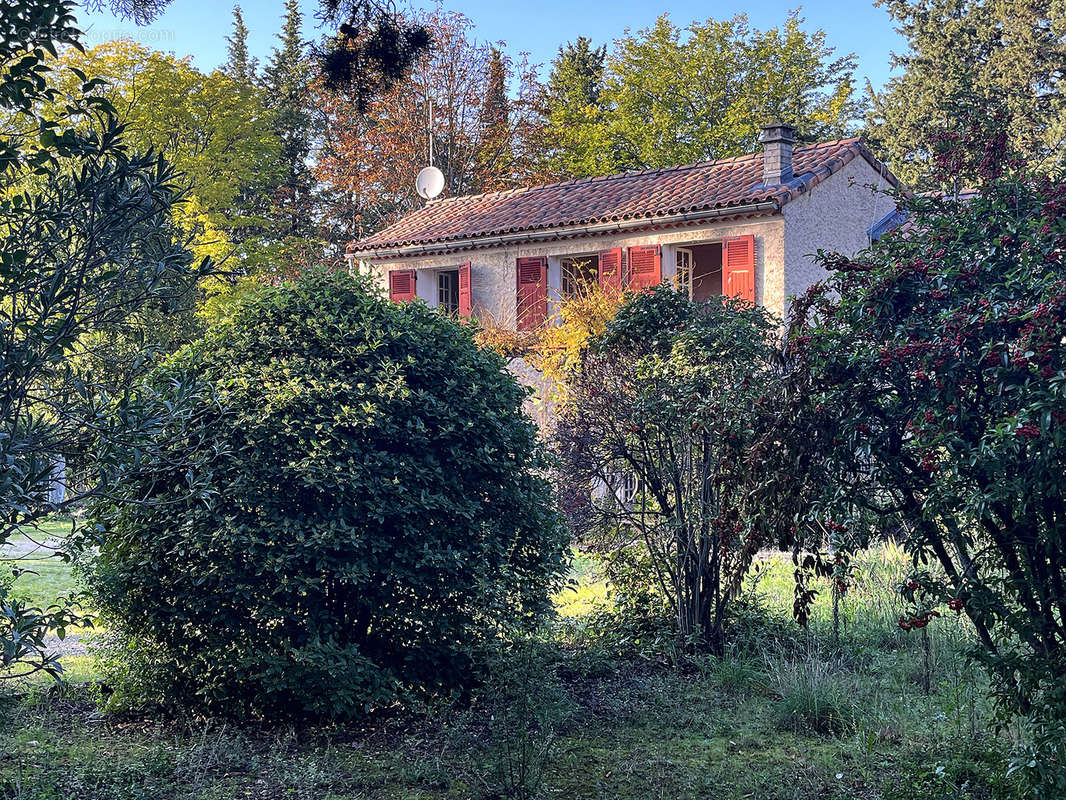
199, 27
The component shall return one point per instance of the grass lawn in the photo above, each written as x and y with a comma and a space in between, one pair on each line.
46, 577
787, 714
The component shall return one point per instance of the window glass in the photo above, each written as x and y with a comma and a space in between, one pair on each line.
577, 274
448, 292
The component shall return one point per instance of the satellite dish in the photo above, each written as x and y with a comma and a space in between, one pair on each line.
429, 183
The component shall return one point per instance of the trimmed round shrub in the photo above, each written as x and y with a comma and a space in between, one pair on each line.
354, 507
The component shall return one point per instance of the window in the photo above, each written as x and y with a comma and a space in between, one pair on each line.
684, 270
626, 487
630, 488
448, 291
576, 274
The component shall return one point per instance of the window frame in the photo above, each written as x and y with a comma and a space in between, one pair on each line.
448, 304
684, 284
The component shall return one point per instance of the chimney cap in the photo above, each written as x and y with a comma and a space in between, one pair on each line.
777, 132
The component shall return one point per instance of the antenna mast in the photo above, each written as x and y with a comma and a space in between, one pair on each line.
430, 132
430, 181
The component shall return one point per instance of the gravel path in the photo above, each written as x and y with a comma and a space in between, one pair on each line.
73, 645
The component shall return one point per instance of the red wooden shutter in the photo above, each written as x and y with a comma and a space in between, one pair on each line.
738, 267
464, 289
611, 270
532, 306
645, 267
402, 285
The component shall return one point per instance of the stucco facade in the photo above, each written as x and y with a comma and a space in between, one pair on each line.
836, 216
492, 270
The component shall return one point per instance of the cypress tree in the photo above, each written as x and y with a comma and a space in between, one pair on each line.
576, 78
495, 150
969, 60
573, 113
288, 93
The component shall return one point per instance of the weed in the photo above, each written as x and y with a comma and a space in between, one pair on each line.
810, 695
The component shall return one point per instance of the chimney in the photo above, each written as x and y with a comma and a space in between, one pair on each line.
777, 141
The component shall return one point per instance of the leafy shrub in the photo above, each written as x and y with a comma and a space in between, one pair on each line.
366, 510
526, 705
500, 336
559, 347
936, 378
654, 451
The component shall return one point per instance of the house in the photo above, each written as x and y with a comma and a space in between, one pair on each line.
747, 226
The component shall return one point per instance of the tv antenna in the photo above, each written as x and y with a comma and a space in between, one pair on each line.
430, 180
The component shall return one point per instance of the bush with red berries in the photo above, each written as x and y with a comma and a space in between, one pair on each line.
929, 374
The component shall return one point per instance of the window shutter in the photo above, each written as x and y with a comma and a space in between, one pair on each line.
532, 306
402, 285
610, 270
738, 267
464, 290
645, 267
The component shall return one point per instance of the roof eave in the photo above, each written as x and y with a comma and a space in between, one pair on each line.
564, 232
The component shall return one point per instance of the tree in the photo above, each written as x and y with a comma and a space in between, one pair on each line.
213, 130
574, 113
653, 448
287, 81
577, 76
936, 394
997, 58
374, 49
374, 515
140, 11
89, 253
240, 66
673, 97
368, 161
495, 155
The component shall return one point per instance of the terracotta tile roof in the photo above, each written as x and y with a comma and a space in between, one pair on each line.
630, 196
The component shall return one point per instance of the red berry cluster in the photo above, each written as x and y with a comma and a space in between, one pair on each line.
919, 620
929, 462
1028, 431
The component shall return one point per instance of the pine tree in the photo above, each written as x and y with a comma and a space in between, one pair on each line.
240, 66
288, 93
576, 78
976, 58
573, 112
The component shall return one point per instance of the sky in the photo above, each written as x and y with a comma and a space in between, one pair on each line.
199, 27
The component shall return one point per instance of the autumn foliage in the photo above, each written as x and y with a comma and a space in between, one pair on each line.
481, 135
559, 347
